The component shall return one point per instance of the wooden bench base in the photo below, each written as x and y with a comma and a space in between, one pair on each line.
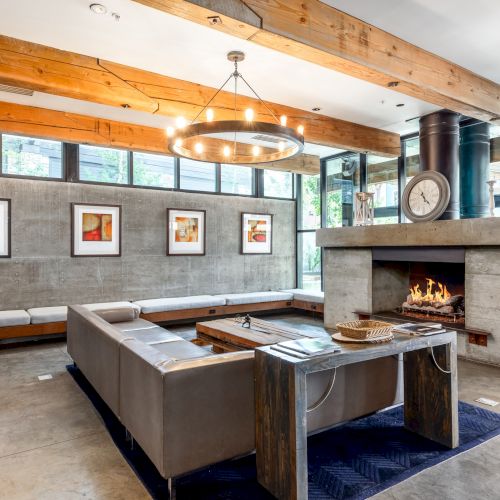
12, 332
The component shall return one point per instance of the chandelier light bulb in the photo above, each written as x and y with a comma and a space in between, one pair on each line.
249, 115
170, 131
210, 114
300, 129
256, 150
181, 122
226, 151
178, 142
198, 148
283, 120
281, 146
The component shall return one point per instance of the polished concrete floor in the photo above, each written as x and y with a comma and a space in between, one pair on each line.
54, 446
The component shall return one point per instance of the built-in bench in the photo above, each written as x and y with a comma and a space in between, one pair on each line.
52, 320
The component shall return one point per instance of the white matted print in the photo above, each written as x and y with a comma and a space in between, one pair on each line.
185, 232
256, 233
4, 228
95, 230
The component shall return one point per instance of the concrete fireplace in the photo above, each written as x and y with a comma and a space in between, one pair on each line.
370, 269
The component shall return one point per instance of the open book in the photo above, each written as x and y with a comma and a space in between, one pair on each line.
304, 348
423, 329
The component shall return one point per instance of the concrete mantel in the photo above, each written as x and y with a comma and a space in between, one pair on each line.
463, 233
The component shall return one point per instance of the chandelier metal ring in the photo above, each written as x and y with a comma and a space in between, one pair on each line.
217, 149
236, 141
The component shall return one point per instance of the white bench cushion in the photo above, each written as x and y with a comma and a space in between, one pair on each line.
178, 303
111, 305
41, 315
233, 299
14, 318
307, 295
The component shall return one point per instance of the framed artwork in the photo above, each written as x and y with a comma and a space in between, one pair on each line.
4, 228
186, 232
95, 230
256, 234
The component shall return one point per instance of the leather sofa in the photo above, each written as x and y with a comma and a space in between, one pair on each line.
189, 408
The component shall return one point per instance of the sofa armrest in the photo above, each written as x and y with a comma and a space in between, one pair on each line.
208, 411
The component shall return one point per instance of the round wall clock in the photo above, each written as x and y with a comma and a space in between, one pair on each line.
426, 196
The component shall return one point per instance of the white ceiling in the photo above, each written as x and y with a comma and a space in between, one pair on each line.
158, 42
466, 32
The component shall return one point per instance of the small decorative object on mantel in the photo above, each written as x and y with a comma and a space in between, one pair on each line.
363, 209
4, 228
426, 196
364, 331
492, 196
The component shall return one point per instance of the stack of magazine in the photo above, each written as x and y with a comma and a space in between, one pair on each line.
306, 348
421, 329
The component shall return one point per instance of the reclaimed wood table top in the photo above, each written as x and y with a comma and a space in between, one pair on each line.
261, 333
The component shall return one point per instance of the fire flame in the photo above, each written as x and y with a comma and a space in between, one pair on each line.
441, 293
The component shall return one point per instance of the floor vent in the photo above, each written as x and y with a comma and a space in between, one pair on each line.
15, 90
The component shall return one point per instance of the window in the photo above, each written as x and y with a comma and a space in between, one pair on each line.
103, 165
236, 179
309, 261
197, 175
342, 181
382, 181
411, 152
278, 184
153, 170
31, 157
311, 202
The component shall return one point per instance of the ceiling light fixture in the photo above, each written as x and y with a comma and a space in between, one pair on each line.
98, 8
235, 140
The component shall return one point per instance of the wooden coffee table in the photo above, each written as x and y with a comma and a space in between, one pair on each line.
226, 335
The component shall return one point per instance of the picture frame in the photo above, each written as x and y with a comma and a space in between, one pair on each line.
186, 232
256, 233
96, 230
5, 228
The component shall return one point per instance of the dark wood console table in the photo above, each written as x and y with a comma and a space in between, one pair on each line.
430, 402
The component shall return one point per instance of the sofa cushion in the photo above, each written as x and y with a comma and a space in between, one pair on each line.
307, 295
146, 332
41, 315
112, 305
117, 314
14, 318
178, 303
255, 297
181, 349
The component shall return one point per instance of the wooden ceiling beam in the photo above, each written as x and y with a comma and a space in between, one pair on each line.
316, 32
41, 68
82, 129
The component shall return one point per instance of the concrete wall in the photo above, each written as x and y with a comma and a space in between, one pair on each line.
42, 273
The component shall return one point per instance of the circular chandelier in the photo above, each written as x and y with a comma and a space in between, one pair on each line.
241, 140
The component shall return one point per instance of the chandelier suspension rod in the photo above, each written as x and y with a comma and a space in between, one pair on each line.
258, 97
213, 97
235, 74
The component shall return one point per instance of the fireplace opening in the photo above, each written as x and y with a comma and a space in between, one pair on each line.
436, 292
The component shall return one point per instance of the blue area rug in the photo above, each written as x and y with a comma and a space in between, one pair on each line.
353, 461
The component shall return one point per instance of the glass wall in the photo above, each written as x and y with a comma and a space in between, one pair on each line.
31, 157
383, 181
308, 220
153, 170
278, 184
342, 181
236, 180
197, 175
103, 165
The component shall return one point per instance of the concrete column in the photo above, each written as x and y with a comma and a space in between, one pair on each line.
439, 140
474, 169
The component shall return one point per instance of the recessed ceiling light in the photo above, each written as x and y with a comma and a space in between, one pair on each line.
98, 8
316, 109
400, 105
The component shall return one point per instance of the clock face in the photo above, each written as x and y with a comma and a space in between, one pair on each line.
424, 197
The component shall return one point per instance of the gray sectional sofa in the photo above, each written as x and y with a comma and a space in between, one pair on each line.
189, 408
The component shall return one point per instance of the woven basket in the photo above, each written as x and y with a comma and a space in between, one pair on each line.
365, 329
